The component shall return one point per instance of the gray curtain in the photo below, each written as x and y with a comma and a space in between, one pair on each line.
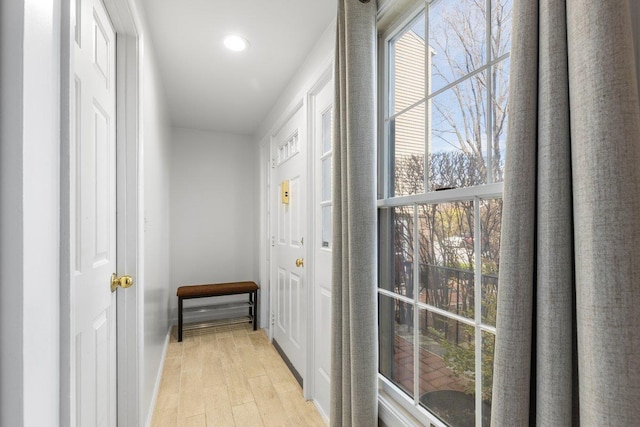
568, 327
354, 352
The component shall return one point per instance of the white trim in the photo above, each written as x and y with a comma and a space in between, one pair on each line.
324, 416
265, 235
156, 387
125, 20
404, 406
392, 414
312, 158
384, 6
485, 191
405, 17
129, 311
301, 100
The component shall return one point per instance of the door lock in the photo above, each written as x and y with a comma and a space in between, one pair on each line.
122, 282
300, 262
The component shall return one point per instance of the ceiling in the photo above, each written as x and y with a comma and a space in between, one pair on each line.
211, 88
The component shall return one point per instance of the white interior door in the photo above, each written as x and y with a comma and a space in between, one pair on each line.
93, 216
289, 302
322, 118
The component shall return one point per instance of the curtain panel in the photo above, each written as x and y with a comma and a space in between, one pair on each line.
354, 353
568, 325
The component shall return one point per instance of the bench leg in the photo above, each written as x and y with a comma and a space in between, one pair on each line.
179, 319
255, 310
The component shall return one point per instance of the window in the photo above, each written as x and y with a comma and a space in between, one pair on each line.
326, 162
446, 72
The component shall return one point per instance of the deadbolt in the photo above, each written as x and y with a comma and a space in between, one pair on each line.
122, 282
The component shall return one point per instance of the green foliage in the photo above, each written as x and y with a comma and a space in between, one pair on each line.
461, 358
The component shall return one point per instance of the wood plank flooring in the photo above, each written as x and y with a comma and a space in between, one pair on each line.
229, 376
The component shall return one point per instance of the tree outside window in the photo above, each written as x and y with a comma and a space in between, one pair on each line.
445, 130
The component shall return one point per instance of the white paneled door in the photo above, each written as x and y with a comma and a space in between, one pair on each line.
93, 158
322, 126
289, 312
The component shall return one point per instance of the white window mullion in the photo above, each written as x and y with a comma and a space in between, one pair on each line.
387, 191
427, 103
416, 317
477, 248
489, 79
478, 210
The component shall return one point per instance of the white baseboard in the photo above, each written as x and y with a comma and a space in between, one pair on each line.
156, 387
324, 416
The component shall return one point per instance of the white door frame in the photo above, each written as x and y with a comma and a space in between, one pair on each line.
302, 100
312, 177
129, 303
265, 235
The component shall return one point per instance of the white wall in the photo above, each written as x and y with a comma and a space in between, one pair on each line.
156, 265
308, 73
213, 209
29, 212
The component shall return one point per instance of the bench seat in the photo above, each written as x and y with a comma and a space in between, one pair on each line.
216, 290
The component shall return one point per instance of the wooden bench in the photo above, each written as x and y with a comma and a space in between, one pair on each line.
217, 290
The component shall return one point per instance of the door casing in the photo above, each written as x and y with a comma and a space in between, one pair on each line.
315, 176
303, 101
129, 314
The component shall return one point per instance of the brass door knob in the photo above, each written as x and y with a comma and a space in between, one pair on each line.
300, 262
122, 282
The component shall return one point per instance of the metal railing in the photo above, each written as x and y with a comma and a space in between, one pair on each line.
447, 288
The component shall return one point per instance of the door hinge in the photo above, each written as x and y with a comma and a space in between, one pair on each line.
273, 241
273, 163
273, 319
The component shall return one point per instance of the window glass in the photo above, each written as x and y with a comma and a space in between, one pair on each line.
326, 159
327, 227
501, 14
447, 362
488, 346
490, 217
326, 179
407, 77
499, 119
458, 136
406, 137
396, 342
458, 39
440, 209
326, 131
447, 256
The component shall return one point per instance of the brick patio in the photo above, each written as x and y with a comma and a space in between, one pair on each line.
434, 374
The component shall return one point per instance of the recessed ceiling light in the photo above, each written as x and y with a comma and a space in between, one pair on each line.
236, 43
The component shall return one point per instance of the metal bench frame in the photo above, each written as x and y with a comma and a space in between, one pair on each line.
209, 291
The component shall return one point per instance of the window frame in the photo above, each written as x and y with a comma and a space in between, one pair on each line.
328, 203
489, 190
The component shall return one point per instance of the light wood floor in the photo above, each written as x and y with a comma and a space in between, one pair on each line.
229, 376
